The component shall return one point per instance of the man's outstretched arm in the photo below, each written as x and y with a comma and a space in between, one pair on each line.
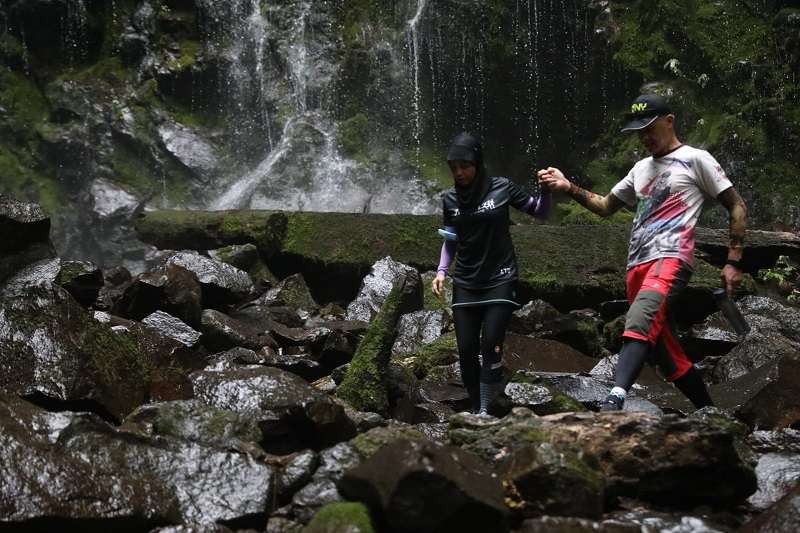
737, 210
554, 180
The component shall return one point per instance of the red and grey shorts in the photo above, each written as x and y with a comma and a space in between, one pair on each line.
652, 288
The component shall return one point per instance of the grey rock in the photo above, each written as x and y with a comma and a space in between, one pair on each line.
429, 488
190, 148
292, 414
221, 332
377, 285
169, 326
221, 282
417, 329
111, 201
82, 279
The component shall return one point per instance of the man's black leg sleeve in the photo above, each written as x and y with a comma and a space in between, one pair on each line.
632, 358
692, 386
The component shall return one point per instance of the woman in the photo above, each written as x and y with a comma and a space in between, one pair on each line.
476, 221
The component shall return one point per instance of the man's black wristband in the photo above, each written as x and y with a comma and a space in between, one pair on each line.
737, 264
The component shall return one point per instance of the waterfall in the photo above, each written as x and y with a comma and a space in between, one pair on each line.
413, 44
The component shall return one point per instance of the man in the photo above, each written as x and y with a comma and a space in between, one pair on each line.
668, 190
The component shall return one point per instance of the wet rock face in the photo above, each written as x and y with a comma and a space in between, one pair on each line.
292, 414
221, 332
222, 283
42, 480
25, 229
781, 517
173, 328
660, 460
377, 285
431, 487
190, 149
51, 346
417, 329
292, 292
83, 280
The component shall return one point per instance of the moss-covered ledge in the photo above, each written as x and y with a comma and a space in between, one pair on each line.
571, 266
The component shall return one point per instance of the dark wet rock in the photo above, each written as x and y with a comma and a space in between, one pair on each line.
431, 487
529, 353
110, 201
133, 47
221, 332
81, 279
612, 334
296, 472
434, 431
182, 296
546, 479
431, 413
209, 485
291, 413
419, 328
246, 257
295, 361
664, 460
335, 461
755, 351
778, 473
293, 293
25, 229
558, 524
591, 391
533, 317
439, 352
114, 284
54, 348
613, 309
196, 422
341, 517
782, 441
142, 296
41, 480
782, 517
221, 282
526, 389
173, 328
190, 148
763, 247
22, 224
766, 398
264, 317
645, 519
236, 356
377, 285
278, 524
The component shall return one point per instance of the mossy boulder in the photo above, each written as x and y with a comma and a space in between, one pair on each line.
364, 386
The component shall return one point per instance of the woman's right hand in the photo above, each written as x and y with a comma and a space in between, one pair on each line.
437, 285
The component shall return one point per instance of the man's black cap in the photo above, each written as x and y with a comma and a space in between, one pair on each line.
644, 111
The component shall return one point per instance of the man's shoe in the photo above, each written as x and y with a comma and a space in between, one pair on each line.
611, 403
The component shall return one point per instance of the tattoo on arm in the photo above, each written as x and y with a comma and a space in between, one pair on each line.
600, 205
738, 220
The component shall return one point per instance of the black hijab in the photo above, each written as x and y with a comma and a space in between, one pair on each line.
465, 147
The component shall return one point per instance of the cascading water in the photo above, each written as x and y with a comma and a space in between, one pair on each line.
413, 47
304, 169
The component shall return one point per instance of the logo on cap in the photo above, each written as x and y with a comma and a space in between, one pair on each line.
639, 107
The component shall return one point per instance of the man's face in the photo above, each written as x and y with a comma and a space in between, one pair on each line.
657, 137
463, 172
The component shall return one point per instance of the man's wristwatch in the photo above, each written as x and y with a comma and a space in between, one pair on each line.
735, 263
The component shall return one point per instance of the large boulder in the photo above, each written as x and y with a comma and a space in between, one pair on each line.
292, 414
782, 517
222, 283
431, 487
365, 385
83, 280
778, 467
50, 346
417, 329
26, 236
663, 460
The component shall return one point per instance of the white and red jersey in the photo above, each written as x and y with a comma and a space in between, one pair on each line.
668, 193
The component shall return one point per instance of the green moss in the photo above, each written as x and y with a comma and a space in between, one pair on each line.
573, 214
433, 168
566, 404
18, 178
189, 50
22, 99
439, 352
364, 385
353, 136
108, 71
366, 444
341, 516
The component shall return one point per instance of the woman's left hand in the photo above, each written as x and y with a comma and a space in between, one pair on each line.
437, 285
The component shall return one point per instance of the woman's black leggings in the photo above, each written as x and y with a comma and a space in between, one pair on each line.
481, 329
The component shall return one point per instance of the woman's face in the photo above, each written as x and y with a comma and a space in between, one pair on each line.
463, 172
